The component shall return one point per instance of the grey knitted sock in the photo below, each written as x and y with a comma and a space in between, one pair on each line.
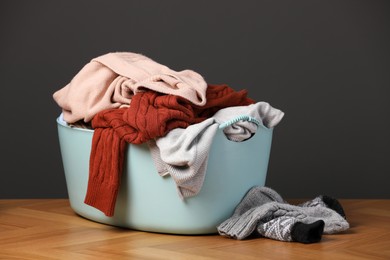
242, 219
290, 229
262, 204
256, 196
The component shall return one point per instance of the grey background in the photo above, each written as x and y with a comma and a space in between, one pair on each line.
324, 63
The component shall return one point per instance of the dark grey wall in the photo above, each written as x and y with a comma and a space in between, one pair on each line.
326, 64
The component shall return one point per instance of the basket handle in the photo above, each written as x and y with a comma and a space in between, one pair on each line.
239, 118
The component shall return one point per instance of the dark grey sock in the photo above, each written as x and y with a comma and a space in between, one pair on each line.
334, 204
261, 205
325, 201
307, 233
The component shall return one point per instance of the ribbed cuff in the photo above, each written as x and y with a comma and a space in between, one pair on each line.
102, 196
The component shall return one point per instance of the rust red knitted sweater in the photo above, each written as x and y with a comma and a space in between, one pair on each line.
150, 115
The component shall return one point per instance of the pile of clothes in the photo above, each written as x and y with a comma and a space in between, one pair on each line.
129, 98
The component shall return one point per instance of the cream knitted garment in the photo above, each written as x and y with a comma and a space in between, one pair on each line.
183, 153
109, 81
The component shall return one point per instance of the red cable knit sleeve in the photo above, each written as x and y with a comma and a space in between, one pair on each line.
149, 116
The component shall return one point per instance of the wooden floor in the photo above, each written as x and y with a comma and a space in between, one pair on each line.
48, 229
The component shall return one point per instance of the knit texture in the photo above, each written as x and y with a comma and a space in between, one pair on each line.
325, 201
111, 80
289, 229
150, 115
262, 204
183, 153
307, 233
277, 228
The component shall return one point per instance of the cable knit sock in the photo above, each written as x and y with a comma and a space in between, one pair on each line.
325, 201
261, 205
290, 229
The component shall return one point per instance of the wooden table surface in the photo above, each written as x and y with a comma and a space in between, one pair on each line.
49, 229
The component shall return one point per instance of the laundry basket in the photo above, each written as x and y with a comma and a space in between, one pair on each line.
149, 202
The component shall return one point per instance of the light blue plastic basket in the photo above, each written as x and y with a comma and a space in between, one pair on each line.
149, 202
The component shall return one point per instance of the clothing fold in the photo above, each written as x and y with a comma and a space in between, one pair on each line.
183, 152
111, 80
128, 98
151, 115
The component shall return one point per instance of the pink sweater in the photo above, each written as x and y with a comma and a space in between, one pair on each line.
110, 81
